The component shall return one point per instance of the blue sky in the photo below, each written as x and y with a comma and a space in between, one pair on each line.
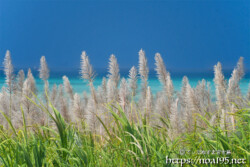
190, 35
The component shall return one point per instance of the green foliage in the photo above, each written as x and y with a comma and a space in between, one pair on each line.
124, 143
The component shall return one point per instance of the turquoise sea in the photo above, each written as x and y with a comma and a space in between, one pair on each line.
79, 85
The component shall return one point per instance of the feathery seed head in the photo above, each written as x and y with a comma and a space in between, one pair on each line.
31, 81
104, 84
8, 69
114, 70
133, 73
185, 82
143, 65
169, 86
123, 92
149, 101
53, 94
44, 70
133, 80
240, 67
160, 69
220, 85
77, 107
67, 87
233, 83
111, 91
21, 77
86, 68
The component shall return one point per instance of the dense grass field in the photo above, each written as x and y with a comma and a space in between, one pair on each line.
119, 124
124, 144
